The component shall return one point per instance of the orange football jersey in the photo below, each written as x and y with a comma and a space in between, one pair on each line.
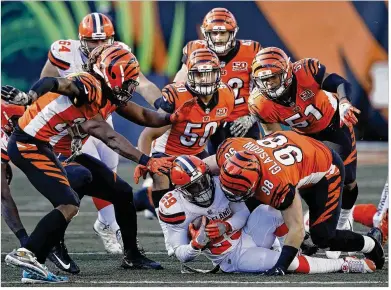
287, 159
313, 108
63, 145
191, 136
235, 71
48, 118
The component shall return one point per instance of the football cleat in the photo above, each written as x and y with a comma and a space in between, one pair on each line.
139, 261
26, 260
108, 237
377, 253
60, 257
355, 265
32, 278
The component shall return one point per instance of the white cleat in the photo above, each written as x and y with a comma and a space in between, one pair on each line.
347, 226
108, 237
26, 260
355, 265
148, 215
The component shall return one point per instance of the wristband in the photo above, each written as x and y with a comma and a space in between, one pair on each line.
288, 253
144, 159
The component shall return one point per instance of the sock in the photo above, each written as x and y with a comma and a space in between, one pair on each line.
349, 198
346, 241
100, 203
312, 265
364, 214
369, 244
382, 207
107, 216
48, 232
22, 237
142, 201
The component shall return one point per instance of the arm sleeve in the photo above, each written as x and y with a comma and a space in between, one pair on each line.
240, 215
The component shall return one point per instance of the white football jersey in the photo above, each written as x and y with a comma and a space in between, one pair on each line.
178, 213
67, 56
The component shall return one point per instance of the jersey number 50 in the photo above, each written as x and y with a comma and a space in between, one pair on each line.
190, 138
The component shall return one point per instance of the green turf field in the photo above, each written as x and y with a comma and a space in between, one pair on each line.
101, 269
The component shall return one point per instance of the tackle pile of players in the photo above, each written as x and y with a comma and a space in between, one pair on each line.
202, 152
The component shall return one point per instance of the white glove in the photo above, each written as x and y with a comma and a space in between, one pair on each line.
241, 125
14, 96
346, 113
76, 145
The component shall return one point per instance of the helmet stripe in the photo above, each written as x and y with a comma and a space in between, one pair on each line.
101, 22
96, 22
186, 164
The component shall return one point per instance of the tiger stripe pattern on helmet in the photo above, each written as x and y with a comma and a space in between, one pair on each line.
220, 17
239, 175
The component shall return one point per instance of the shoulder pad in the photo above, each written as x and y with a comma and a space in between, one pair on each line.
307, 70
171, 210
254, 46
61, 53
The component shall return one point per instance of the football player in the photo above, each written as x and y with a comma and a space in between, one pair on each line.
311, 101
284, 168
219, 29
232, 238
74, 103
69, 56
9, 115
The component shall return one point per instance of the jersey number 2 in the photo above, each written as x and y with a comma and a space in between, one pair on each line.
236, 84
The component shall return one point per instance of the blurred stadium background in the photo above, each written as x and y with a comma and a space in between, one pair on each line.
350, 38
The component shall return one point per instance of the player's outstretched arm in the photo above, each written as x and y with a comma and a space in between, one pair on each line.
148, 90
147, 136
100, 129
181, 75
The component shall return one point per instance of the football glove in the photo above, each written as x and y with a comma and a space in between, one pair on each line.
183, 112
14, 96
347, 113
199, 239
158, 166
217, 228
241, 125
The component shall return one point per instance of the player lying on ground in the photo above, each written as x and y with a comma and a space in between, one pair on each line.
227, 234
284, 168
313, 102
74, 103
69, 56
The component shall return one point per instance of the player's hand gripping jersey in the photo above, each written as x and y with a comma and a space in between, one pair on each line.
288, 161
48, 118
178, 213
191, 136
235, 71
309, 110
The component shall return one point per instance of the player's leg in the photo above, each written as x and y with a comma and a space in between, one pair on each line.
143, 197
108, 186
324, 202
48, 176
9, 211
105, 209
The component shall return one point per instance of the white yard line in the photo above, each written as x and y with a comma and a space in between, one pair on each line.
220, 282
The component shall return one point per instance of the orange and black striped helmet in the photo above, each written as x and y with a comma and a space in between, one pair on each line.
119, 69
267, 64
192, 179
9, 115
240, 175
203, 71
220, 20
95, 29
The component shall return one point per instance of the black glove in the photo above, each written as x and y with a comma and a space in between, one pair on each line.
275, 271
14, 96
308, 248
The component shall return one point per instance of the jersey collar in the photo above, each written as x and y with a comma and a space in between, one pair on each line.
231, 54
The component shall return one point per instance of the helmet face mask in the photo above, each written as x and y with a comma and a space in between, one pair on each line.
220, 20
200, 191
275, 91
204, 80
237, 197
94, 30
